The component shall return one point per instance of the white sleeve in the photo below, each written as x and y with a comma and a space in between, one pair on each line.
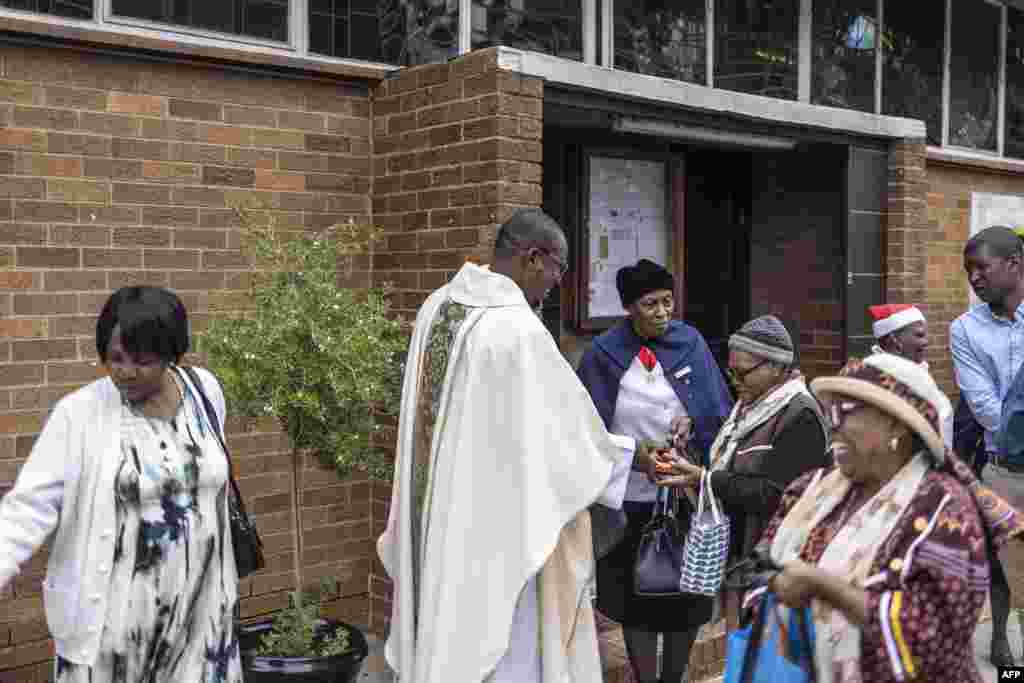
616, 490
30, 511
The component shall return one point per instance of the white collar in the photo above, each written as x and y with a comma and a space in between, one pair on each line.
478, 287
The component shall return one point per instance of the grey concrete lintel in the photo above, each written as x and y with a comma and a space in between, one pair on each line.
699, 97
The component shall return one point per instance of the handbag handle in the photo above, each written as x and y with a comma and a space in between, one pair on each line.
663, 502
801, 616
211, 417
756, 633
705, 485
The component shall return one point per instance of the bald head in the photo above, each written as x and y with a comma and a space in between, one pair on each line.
532, 251
528, 228
998, 240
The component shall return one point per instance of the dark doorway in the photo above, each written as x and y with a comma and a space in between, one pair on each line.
716, 298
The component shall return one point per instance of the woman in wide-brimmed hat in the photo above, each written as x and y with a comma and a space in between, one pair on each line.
889, 546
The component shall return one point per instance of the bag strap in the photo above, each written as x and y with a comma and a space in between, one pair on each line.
808, 640
756, 633
705, 485
211, 417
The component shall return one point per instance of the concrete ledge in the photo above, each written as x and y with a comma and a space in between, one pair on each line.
974, 161
689, 95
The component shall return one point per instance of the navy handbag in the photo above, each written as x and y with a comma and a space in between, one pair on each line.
659, 558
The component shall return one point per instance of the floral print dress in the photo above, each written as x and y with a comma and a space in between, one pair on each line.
173, 595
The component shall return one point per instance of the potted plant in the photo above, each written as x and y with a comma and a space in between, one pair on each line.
323, 358
297, 646
326, 360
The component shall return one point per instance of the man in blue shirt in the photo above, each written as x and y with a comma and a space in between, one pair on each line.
988, 350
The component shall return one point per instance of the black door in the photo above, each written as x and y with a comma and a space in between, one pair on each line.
717, 245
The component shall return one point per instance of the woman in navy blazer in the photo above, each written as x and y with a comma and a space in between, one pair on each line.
643, 375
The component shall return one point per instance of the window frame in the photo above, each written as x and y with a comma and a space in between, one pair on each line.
605, 37
947, 84
106, 10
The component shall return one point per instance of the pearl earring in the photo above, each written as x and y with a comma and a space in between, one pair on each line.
894, 444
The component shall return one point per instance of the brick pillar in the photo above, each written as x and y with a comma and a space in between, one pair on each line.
906, 224
457, 148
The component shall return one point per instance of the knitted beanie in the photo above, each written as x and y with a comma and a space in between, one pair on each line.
645, 277
765, 337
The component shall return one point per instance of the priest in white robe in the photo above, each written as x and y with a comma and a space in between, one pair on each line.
500, 453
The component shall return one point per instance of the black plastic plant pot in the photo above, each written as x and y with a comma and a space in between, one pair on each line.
338, 669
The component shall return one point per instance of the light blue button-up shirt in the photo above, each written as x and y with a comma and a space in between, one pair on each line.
987, 353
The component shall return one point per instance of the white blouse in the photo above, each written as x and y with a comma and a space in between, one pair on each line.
644, 410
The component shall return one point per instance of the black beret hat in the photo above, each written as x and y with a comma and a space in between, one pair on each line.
646, 276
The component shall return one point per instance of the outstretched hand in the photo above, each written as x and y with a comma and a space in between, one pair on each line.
680, 474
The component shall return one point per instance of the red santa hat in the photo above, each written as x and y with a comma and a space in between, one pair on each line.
892, 317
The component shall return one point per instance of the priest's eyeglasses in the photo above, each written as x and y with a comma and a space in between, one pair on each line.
563, 267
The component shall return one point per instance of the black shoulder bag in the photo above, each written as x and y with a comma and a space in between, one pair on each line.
245, 540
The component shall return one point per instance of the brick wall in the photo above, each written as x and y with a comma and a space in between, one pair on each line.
907, 239
457, 148
949, 187
116, 171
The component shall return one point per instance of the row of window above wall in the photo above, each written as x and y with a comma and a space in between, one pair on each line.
958, 65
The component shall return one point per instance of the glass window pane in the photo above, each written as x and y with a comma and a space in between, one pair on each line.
551, 26
974, 74
912, 41
321, 34
418, 31
1014, 146
662, 38
73, 9
756, 46
256, 18
344, 28
844, 34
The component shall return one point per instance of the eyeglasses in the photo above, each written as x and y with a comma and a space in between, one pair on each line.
841, 409
563, 267
739, 377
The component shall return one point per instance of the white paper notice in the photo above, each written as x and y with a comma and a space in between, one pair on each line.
628, 222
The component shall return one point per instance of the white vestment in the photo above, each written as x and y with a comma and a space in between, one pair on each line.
500, 453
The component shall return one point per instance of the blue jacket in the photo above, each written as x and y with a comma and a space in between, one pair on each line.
1010, 437
701, 389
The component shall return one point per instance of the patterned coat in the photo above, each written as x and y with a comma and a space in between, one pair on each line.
926, 587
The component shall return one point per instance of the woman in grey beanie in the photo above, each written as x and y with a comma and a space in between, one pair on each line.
775, 433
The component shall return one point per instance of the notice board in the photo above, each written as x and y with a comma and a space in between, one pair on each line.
628, 219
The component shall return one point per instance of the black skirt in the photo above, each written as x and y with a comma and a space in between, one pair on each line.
615, 597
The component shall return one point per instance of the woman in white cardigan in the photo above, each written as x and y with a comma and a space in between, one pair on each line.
129, 480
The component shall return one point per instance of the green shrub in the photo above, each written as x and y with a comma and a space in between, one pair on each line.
323, 358
294, 633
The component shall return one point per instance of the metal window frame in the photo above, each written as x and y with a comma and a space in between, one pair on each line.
296, 46
1004, 25
606, 35
105, 15
946, 52
879, 55
947, 89
804, 50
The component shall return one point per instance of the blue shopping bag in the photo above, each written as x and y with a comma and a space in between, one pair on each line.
754, 654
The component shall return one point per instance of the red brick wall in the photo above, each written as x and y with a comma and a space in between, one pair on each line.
948, 218
115, 171
457, 148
